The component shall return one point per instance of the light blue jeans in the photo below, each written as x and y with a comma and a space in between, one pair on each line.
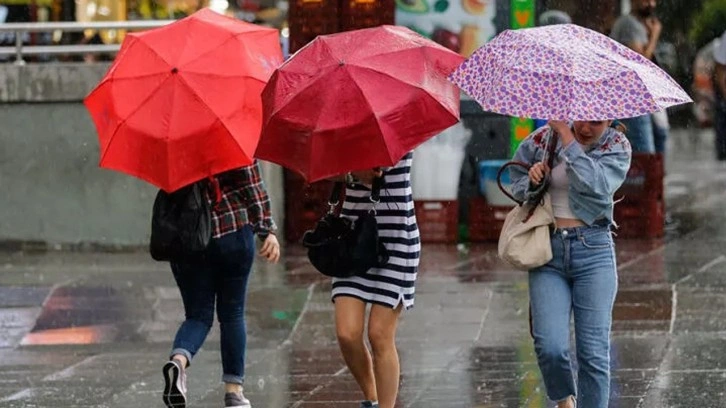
581, 279
640, 133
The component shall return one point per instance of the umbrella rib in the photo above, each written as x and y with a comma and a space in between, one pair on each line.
311, 82
140, 105
133, 40
211, 50
388, 75
378, 124
221, 75
419, 87
144, 76
150, 48
206, 106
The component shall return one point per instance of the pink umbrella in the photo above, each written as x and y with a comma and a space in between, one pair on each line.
565, 72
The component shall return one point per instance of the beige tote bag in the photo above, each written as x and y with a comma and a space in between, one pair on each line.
524, 241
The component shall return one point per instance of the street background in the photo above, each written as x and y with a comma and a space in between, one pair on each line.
90, 329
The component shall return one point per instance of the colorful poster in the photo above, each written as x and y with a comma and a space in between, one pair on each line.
522, 13
459, 25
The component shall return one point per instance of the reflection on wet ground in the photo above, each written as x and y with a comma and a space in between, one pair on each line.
93, 330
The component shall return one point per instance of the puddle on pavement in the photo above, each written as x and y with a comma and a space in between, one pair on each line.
79, 315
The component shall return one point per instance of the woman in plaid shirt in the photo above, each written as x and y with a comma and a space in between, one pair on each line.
240, 209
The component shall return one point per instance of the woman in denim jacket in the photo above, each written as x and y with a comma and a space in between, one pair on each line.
591, 162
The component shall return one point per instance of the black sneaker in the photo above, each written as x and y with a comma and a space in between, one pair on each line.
175, 385
236, 400
368, 404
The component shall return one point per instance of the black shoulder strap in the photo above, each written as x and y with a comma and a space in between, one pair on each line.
378, 183
338, 186
335, 194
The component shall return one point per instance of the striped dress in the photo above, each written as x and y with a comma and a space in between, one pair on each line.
392, 284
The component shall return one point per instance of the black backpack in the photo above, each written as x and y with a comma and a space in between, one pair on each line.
181, 223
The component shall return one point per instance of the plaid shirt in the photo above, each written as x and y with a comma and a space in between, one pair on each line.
239, 197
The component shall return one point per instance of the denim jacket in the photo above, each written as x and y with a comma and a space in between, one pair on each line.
595, 172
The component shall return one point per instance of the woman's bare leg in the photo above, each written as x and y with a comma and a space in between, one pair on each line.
349, 326
382, 327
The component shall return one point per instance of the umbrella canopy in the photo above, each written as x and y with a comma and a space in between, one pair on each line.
182, 102
565, 72
357, 100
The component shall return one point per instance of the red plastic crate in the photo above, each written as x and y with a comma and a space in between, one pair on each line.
643, 219
644, 181
438, 221
309, 18
355, 14
305, 204
486, 221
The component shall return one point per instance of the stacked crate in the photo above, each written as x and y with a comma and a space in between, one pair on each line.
640, 208
305, 204
485, 220
438, 221
355, 14
309, 18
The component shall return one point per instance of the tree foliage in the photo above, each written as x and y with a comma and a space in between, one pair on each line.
708, 23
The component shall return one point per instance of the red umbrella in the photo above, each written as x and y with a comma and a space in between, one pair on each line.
357, 100
182, 102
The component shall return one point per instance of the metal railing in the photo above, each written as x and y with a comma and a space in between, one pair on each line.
21, 29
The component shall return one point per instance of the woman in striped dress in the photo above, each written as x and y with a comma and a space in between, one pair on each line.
388, 289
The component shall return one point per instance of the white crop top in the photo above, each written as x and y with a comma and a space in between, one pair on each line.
559, 192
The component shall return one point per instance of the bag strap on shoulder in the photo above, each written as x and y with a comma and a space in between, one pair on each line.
378, 183
334, 200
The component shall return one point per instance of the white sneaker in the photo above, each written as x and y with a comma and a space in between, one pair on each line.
175, 385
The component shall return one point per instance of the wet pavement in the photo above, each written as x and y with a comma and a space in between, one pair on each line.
93, 329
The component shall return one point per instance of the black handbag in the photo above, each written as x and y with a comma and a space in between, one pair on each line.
341, 248
181, 223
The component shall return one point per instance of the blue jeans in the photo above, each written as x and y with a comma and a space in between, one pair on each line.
219, 274
640, 133
580, 278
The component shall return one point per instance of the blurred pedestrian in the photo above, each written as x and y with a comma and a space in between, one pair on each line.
94, 39
551, 17
590, 163
719, 88
219, 275
640, 30
388, 289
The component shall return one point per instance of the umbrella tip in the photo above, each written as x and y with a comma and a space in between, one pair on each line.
341, 63
174, 70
